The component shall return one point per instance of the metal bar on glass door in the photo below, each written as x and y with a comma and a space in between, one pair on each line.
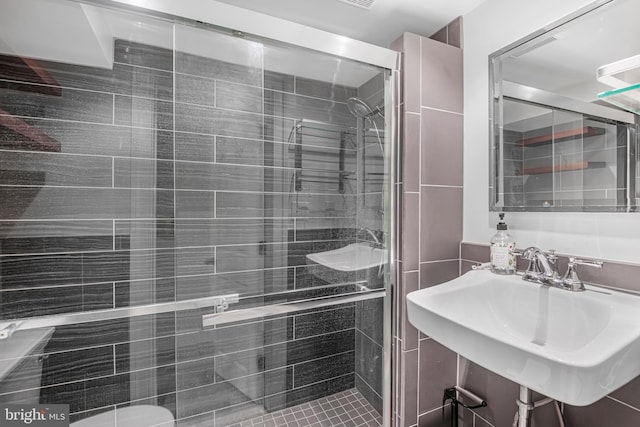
9, 327
209, 320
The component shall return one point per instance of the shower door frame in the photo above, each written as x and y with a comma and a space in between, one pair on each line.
278, 30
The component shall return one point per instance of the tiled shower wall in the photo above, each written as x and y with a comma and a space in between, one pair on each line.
174, 182
430, 215
621, 408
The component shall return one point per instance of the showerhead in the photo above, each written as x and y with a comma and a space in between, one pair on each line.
361, 109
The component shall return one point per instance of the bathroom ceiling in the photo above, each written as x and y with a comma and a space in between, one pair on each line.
382, 23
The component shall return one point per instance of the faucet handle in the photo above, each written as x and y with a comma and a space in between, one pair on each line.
551, 255
573, 261
571, 280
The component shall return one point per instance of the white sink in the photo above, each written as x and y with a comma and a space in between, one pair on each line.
575, 347
354, 257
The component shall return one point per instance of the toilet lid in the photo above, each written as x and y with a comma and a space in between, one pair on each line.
131, 416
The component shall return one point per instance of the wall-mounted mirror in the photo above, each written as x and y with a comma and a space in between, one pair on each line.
565, 108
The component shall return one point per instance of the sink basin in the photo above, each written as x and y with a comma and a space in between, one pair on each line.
354, 257
575, 347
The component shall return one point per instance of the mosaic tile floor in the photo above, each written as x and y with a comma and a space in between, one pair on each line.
345, 409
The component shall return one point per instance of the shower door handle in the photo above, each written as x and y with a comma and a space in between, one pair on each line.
285, 308
10, 327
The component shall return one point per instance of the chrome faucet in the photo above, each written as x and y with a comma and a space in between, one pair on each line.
542, 269
542, 266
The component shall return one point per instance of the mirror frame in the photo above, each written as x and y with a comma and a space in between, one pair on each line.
496, 137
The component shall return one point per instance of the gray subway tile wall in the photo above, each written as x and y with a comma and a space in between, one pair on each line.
620, 408
430, 201
171, 183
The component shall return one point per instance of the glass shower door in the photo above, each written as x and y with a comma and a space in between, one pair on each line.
192, 229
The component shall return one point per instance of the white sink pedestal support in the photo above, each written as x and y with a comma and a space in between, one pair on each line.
525, 406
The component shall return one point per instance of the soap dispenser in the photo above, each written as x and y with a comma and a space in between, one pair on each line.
503, 259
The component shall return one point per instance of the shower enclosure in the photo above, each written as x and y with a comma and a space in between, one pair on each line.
193, 222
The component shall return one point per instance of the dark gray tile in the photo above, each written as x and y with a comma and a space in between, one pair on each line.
239, 97
248, 205
33, 237
408, 333
204, 285
143, 112
251, 257
369, 361
125, 229
240, 151
435, 273
143, 55
195, 90
196, 373
323, 322
466, 266
239, 364
311, 392
142, 82
20, 168
77, 365
73, 203
320, 89
195, 147
97, 297
207, 120
278, 81
441, 148
193, 261
603, 413
441, 235
32, 271
440, 35
411, 152
305, 349
145, 354
41, 301
502, 392
370, 317
195, 204
109, 266
143, 173
370, 395
438, 418
410, 231
77, 105
295, 106
441, 76
411, 64
106, 139
96, 334
409, 399
629, 393
146, 291
216, 396
317, 370
73, 394
216, 69
618, 274
228, 231
454, 32
438, 369
61, 76
229, 339
474, 252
